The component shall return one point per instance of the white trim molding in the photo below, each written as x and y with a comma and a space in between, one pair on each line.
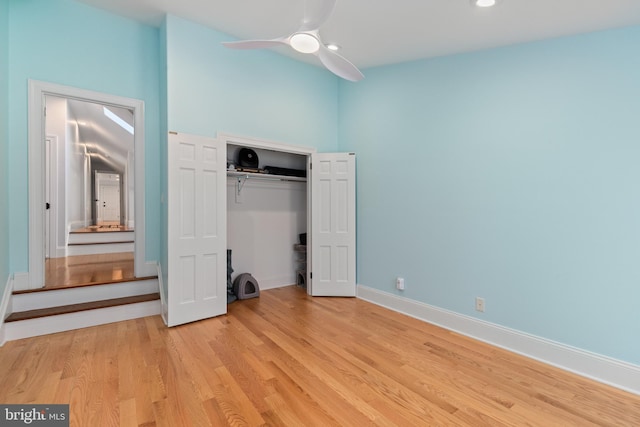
246, 141
163, 296
20, 281
5, 308
617, 373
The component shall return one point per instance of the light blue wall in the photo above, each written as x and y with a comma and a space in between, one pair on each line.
212, 89
259, 93
65, 42
4, 144
511, 174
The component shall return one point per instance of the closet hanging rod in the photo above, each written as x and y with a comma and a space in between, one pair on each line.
241, 178
264, 176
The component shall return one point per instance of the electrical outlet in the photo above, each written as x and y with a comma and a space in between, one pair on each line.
400, 283
480, 304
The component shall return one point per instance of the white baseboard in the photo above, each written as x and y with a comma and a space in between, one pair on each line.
5, 308
617, 373
149, 268
265, 283
21, 282
163, 296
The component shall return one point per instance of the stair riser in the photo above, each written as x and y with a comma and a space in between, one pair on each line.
84, 238
95, 249
82, 319
59, 297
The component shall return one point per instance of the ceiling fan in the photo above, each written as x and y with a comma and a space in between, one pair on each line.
307, 40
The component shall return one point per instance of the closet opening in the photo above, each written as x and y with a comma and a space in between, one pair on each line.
268, 218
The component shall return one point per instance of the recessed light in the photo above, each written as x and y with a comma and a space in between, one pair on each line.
332, 46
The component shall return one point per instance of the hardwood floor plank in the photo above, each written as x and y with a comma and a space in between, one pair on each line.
127, 413
48, 388
179, 394
288, 359
298, 401
197, 366
247, 410
385, 386
330, 393
26, 374
63, 391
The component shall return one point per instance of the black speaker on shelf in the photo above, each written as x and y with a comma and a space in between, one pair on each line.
247, 158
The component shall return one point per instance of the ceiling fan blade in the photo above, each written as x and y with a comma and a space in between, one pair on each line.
339, 65
256, 44
314, 18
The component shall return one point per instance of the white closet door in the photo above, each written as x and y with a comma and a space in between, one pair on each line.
197, 228
333, 229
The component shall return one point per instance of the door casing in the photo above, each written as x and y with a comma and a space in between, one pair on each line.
36, 120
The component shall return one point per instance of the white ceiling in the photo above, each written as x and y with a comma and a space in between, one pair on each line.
379, 32
106, 141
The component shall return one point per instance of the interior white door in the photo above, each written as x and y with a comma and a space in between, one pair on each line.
197, 228
333, 224
107, 192
109, 203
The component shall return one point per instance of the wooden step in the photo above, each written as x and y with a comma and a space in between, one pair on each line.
77, 316
74, 308
49, 288
82, 293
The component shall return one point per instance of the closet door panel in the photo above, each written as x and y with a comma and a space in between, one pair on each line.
196, 228
333, 224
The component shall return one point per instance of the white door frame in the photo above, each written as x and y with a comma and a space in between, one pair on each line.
51, 197
36, 123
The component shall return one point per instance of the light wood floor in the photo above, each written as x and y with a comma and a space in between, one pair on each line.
286, 359
83, 270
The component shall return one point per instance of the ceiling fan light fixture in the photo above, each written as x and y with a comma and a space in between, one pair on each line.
307, 40
484, 3
304, 42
